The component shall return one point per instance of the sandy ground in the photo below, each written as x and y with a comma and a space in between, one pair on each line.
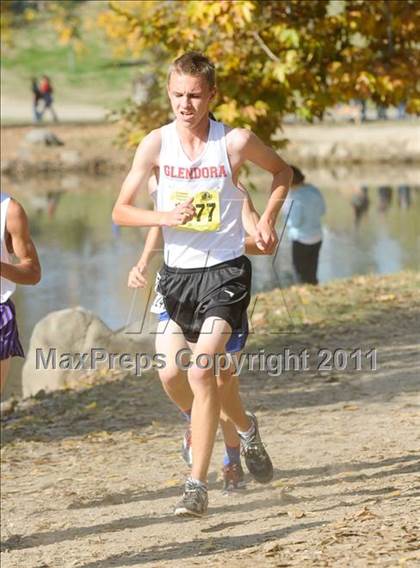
90, 477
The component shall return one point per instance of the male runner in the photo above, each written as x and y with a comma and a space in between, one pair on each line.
206, 279
176, 386
15, 239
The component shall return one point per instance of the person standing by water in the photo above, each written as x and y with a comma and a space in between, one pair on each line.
15, 239
36, 98
306, 206
46, 90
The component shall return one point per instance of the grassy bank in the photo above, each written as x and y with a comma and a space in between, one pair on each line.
341, 304
90, 77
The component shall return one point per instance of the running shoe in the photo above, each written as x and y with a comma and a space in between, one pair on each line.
186, 451
233, 477
194, 501
257, 459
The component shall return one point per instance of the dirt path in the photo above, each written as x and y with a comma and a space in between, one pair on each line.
90, 477
15, 110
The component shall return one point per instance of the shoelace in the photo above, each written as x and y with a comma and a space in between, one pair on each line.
192, 486
194, 494
252, 448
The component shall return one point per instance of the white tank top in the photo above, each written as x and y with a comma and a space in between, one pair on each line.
216, 234
7, 287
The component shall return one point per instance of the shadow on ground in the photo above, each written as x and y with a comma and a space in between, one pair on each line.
329, 476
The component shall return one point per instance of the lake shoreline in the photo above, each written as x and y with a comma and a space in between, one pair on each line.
91, 148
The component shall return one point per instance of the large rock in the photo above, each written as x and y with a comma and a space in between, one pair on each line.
59, 338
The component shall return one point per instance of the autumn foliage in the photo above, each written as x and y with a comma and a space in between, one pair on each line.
273, 57
276, 57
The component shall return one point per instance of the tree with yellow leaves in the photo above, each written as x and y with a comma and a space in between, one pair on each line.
274, 57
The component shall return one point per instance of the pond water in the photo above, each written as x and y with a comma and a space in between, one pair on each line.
371, 226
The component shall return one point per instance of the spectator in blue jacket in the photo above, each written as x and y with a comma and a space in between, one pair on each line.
305, 207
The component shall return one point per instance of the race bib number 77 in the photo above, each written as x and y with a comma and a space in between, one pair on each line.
207, 210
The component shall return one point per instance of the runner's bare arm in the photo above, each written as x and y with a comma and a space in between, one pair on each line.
244, 146
153, 244
28, 270
250, 215
250, 219
125, 212
145, 159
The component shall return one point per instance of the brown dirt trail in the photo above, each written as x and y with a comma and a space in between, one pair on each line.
89, 477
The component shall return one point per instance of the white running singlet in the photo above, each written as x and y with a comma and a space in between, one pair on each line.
216, 233
7, 287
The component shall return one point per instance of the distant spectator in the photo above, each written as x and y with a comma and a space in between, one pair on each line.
305, 207
401, 110
36, 98
363, 109
381, 112
46, 91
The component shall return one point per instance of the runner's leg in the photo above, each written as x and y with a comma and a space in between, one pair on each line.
256, 457
170, 341
206, 405
230, 434
232, 472
231, 402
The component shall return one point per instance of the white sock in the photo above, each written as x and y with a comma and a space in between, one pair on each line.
248, 433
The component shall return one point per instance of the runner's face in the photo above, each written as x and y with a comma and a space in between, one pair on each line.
190, 98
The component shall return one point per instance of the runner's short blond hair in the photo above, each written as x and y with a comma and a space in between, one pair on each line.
195, 64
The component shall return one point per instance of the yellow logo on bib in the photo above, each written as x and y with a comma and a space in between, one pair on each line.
207, 210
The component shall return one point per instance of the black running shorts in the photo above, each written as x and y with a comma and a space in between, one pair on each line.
193, 294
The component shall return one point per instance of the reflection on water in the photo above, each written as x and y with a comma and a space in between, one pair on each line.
360, 202
368, 228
